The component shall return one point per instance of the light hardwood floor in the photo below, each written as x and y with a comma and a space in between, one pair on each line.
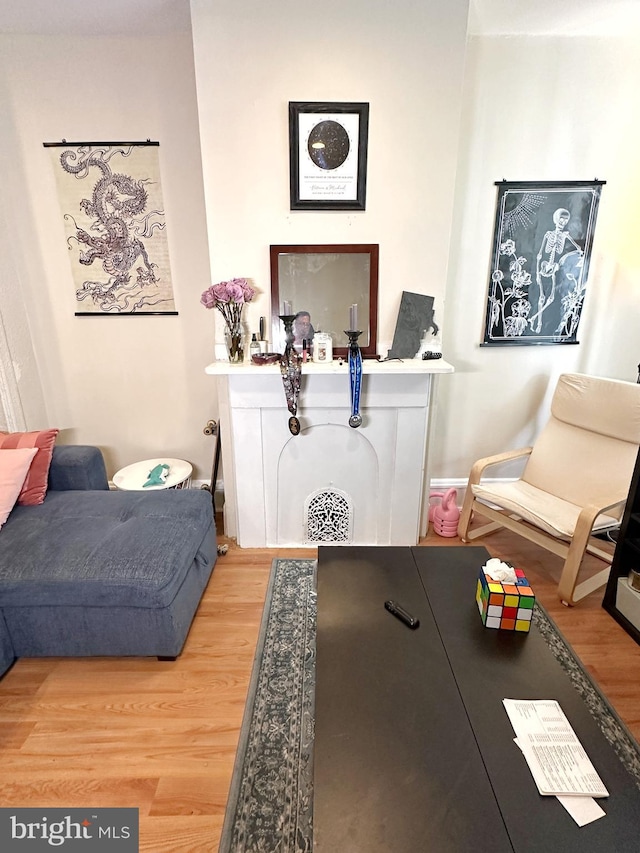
161, 736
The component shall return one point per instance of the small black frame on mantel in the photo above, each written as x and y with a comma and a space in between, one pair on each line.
542, 242
328, 155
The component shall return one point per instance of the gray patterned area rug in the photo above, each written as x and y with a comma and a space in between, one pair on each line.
270, 803
270, 800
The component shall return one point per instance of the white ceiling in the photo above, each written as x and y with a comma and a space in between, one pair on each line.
555, 17
94, 17
129, 17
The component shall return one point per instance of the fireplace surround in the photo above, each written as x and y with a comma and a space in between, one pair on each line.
331, 484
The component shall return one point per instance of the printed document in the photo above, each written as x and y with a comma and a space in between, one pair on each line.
558, 763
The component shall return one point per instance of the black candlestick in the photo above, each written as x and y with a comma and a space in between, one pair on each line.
288, 319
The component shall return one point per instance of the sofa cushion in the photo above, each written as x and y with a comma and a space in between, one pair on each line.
7, 653
77, 466
35, 485
14, 465
102, 548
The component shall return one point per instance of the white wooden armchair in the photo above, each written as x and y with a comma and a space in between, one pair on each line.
575, 481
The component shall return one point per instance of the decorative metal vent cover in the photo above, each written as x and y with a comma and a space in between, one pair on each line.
328, 517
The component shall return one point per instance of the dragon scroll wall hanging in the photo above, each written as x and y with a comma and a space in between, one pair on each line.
111, 202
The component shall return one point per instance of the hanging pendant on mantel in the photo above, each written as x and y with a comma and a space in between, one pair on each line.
355, 378
291, 370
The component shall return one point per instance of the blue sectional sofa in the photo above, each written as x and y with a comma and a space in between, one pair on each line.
97, 572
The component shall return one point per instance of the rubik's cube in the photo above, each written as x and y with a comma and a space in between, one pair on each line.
505, 605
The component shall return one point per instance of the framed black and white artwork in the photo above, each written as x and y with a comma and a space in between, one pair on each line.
328, 155
542, 244
111, 204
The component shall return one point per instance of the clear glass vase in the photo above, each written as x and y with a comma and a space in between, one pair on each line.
233, 340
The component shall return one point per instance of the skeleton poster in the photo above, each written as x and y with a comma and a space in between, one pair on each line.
111, 203
540, 263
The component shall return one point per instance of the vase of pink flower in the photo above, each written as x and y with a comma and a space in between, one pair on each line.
229, 297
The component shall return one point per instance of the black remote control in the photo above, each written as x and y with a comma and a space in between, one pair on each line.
401, 614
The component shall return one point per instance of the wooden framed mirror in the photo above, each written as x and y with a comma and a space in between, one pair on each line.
325, 282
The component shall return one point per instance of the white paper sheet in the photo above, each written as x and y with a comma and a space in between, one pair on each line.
556, 758
583, 810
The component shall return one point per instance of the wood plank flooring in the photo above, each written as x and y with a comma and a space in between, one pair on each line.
161, 736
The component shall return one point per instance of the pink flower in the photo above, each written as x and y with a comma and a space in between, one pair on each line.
221, 292
237, 291
249, 292
207, 299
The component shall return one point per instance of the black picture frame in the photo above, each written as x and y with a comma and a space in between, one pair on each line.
542, 243
328, 144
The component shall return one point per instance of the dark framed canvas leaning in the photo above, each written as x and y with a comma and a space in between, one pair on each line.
328, 155
542, 244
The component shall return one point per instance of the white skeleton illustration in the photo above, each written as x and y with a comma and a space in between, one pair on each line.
550, 258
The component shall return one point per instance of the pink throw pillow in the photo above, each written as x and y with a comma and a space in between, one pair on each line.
34, 487
14, 466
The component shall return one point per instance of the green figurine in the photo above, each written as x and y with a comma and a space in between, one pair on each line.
157, 476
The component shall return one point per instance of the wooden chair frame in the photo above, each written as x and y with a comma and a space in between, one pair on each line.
569, 590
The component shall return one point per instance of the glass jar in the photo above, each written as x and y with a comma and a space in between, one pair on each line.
633, 579
322, 347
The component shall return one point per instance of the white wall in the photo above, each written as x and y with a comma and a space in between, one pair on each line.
542, 108
539, 108
21, 390
133, 385
252, 58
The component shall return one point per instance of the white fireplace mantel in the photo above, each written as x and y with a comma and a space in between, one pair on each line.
276, 485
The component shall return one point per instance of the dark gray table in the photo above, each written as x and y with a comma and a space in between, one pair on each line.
413, 748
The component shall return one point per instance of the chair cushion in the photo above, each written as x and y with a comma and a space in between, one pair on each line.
609, 407
102, 548
551, 514
592, 419
580, 466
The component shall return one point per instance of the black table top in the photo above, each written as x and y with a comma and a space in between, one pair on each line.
413, 748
